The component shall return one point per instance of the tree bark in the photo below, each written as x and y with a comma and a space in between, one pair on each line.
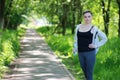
106, 17
73, 16
2, 6
64, 18
79, 11
7, 20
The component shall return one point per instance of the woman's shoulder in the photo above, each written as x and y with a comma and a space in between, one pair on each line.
95, 28
78, 25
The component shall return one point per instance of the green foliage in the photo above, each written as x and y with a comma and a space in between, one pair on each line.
9, 47
108, 59
14, 11
21, 31
3, 69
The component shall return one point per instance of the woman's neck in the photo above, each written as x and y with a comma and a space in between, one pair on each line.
87, 24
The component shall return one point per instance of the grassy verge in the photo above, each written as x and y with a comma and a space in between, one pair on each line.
108, 59
9, 47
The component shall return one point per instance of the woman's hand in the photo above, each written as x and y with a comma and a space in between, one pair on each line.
92, 46
74, 52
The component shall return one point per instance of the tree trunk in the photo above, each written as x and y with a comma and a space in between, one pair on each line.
64, 18
7, 20
118, 2
106, 17
73, 16
2, 6
76, 10
79, 11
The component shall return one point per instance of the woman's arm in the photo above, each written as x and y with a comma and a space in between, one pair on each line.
75, 46
102, 38
99, 38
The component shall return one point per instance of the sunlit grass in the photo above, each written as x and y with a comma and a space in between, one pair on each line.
9, 47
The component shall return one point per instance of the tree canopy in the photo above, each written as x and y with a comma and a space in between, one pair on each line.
64, 13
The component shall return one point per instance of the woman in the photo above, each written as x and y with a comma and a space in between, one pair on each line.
86, 44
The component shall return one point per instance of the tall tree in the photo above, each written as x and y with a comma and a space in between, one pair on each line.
64, 16
106, 13
73, 16
7, 13
79, 8
118, 2
14, 11
2, 9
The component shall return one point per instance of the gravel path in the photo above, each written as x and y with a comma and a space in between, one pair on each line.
37, 61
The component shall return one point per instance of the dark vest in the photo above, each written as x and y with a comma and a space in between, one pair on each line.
84, 39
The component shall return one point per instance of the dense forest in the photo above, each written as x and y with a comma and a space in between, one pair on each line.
64, 15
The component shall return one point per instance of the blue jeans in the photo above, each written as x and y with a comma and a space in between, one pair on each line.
87, 61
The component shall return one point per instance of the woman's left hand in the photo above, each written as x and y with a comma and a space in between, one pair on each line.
92, 46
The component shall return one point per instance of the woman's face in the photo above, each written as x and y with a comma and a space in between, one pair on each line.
87, 18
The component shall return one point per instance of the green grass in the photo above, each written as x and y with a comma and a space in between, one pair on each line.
108, 61
107, 65
9, 47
